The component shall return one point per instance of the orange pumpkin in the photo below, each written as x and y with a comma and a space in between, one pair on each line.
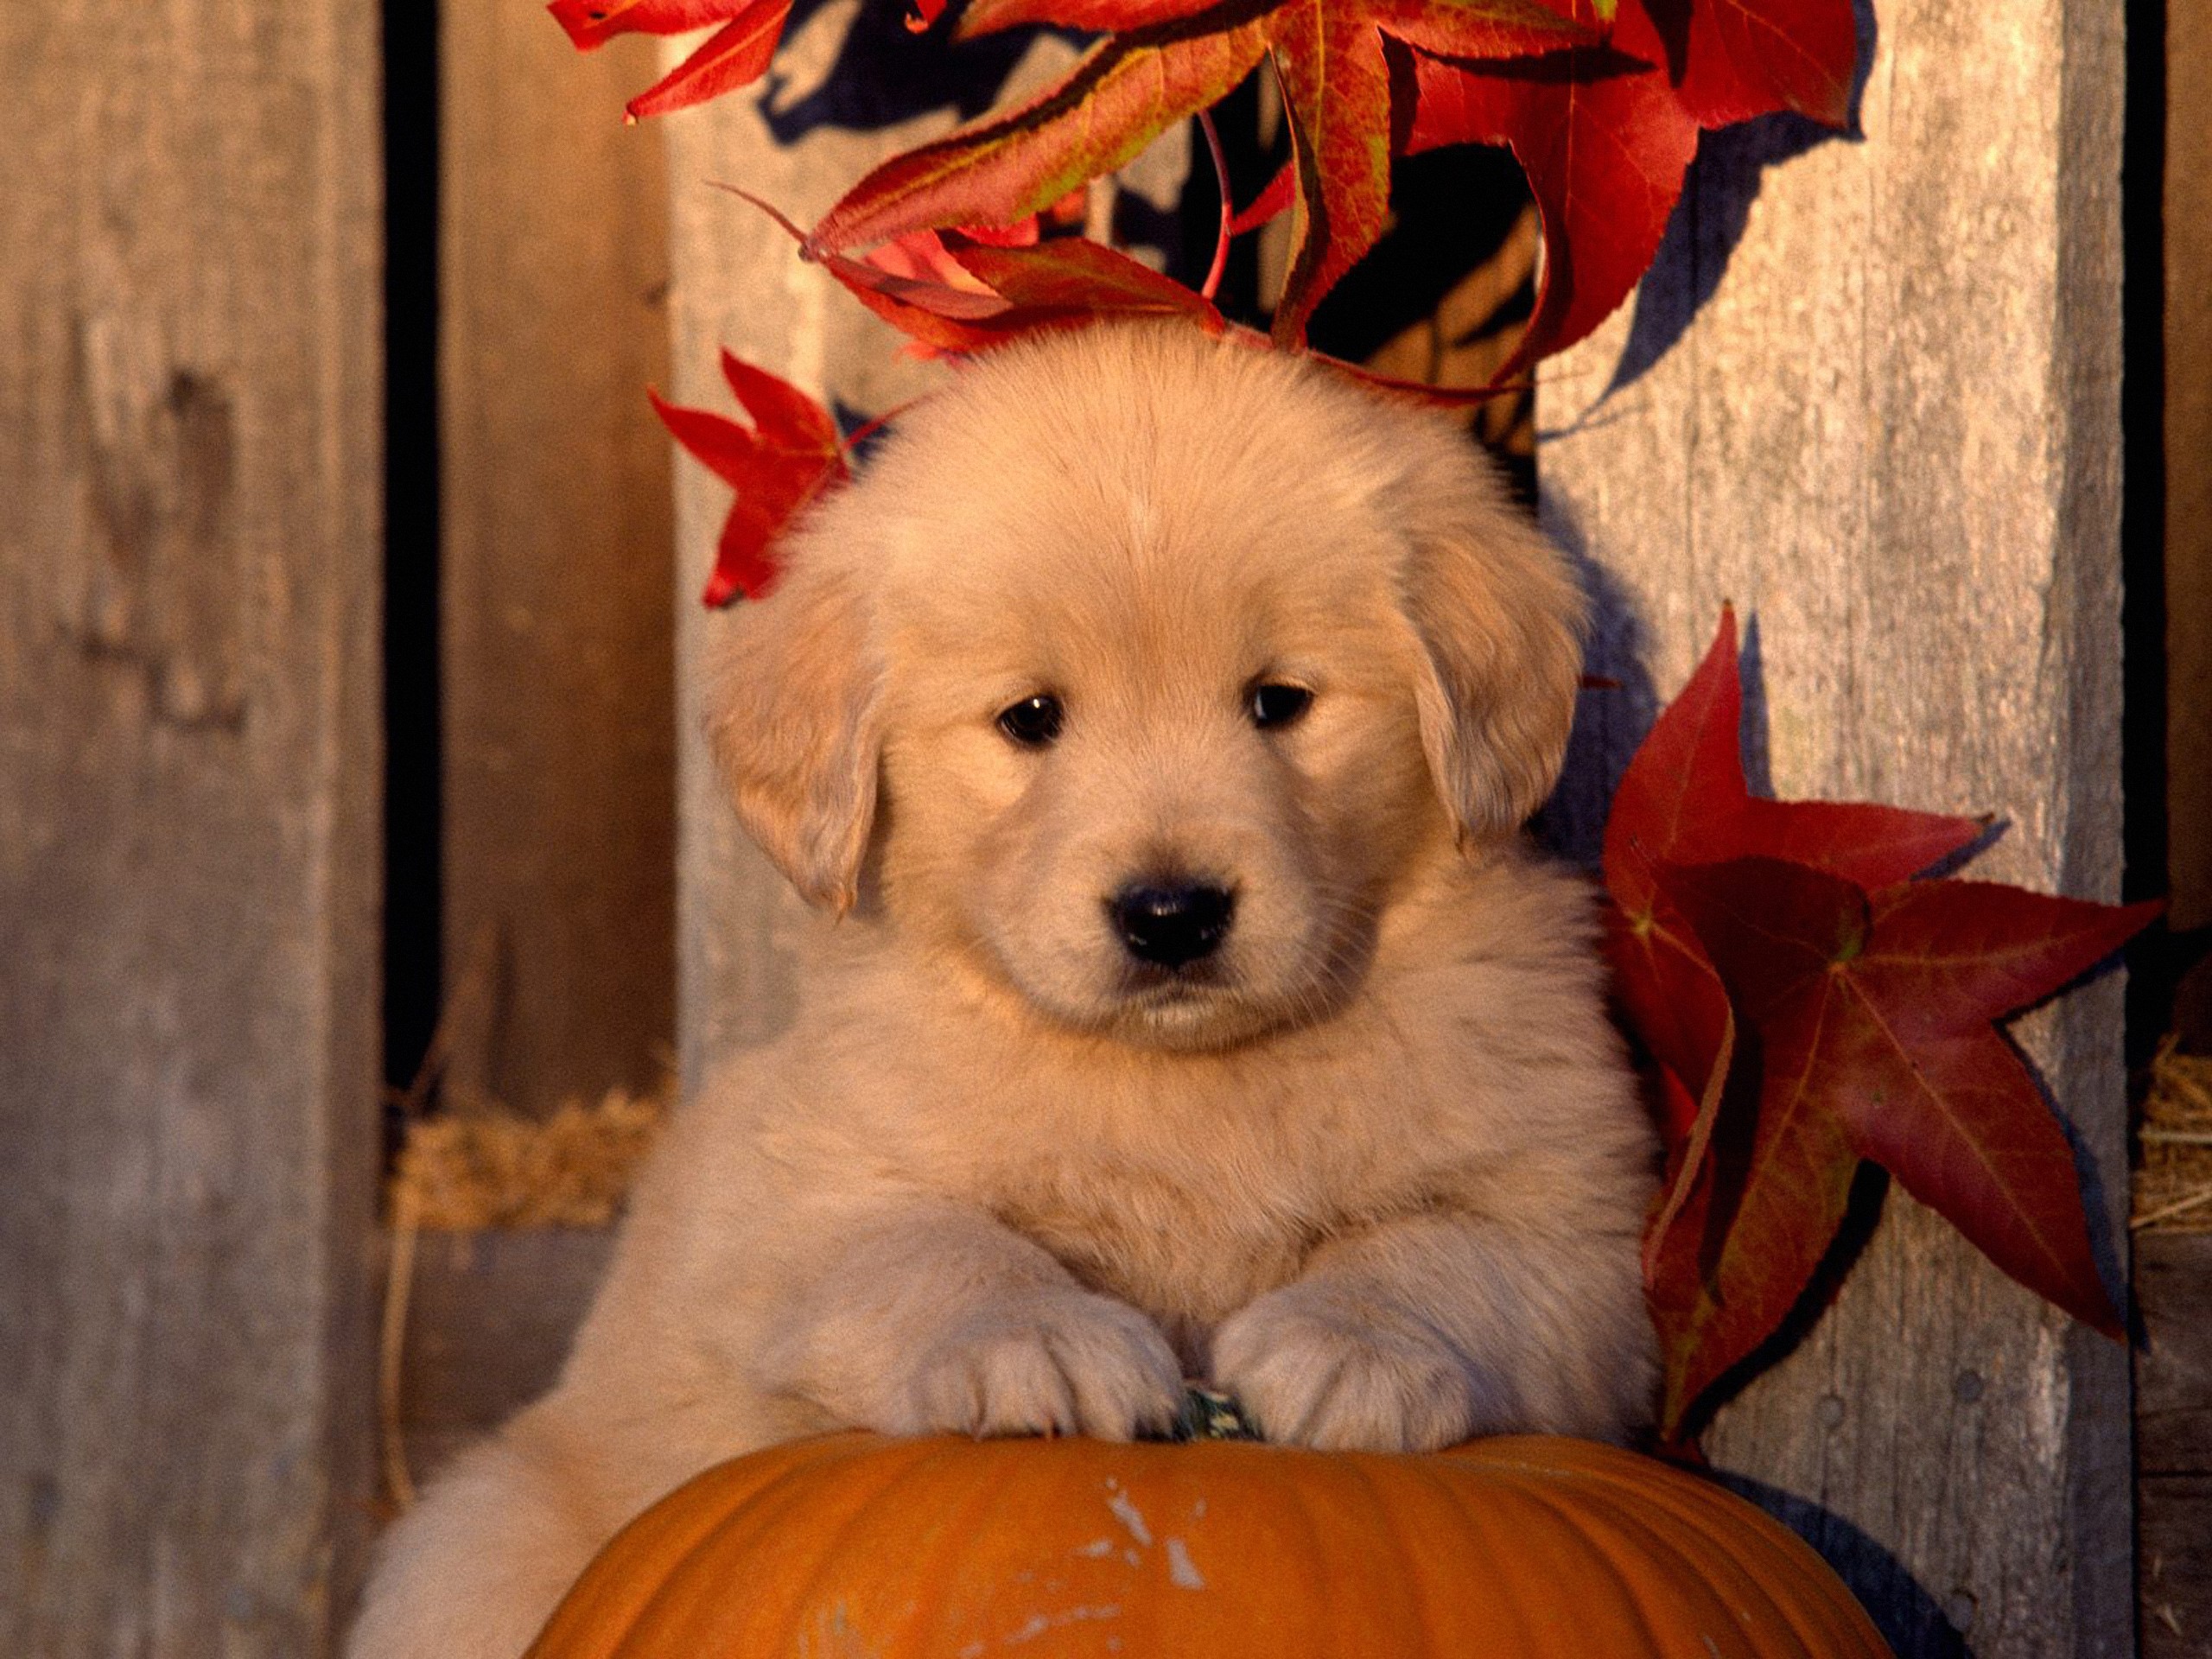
1521, 1548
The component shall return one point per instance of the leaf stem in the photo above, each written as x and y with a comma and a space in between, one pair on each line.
1207, 288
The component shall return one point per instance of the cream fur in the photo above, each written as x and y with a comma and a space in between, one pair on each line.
1379, 1170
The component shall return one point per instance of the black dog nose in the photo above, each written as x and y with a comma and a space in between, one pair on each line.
1170, 925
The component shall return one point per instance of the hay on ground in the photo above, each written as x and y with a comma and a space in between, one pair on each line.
2173, 1189
481, 1165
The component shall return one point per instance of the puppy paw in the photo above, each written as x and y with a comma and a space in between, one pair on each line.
1311, 1369
1048, 1362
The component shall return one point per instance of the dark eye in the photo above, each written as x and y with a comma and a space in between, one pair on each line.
1275, 704
1033, 722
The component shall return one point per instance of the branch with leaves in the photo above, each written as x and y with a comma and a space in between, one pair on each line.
1600, 103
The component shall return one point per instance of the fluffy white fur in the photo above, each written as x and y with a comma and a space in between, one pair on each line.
1377, 1167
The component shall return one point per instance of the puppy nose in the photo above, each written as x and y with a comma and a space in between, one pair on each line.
1170, 925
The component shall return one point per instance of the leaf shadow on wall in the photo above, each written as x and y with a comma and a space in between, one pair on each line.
2103, 1211
1611, 718
881, 75
1715, 208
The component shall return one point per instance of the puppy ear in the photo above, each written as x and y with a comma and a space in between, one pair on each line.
793, 718
1500, 622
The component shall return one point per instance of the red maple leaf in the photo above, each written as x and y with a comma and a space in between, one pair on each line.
1877, 1040
1168, 62
1684, 799
737, 53
1606, 133
1809, 1009
790, 455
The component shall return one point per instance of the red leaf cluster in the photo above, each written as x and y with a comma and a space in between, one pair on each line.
1167, 60
1606, 133
790, 455
747, 34
1601, 105
1808, 1006
1601, 101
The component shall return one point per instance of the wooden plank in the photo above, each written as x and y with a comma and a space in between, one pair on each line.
190, 383
2188, 227
2173, 1273
2173, 1371
2173, 1443
2177, 1586
1870, 393
558, 748
490, 1318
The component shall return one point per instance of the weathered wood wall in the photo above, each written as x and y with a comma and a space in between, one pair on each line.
190, 389
558, 738
1886, 423
489, 1319
2173, 1276
2189, 487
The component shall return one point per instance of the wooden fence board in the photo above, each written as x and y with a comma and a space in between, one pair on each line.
2173, 1373
190, 389
2173, 1443
2188, 227
490, 1317
558, 745
1870, 393
2176, 1588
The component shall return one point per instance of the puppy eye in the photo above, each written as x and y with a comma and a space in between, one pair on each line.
1275, 704
1033, 722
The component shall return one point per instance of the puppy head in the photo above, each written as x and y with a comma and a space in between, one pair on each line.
1170, 663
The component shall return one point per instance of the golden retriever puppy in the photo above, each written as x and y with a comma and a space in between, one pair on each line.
1159, 714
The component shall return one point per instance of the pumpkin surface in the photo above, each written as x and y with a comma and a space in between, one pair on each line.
857, 1547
